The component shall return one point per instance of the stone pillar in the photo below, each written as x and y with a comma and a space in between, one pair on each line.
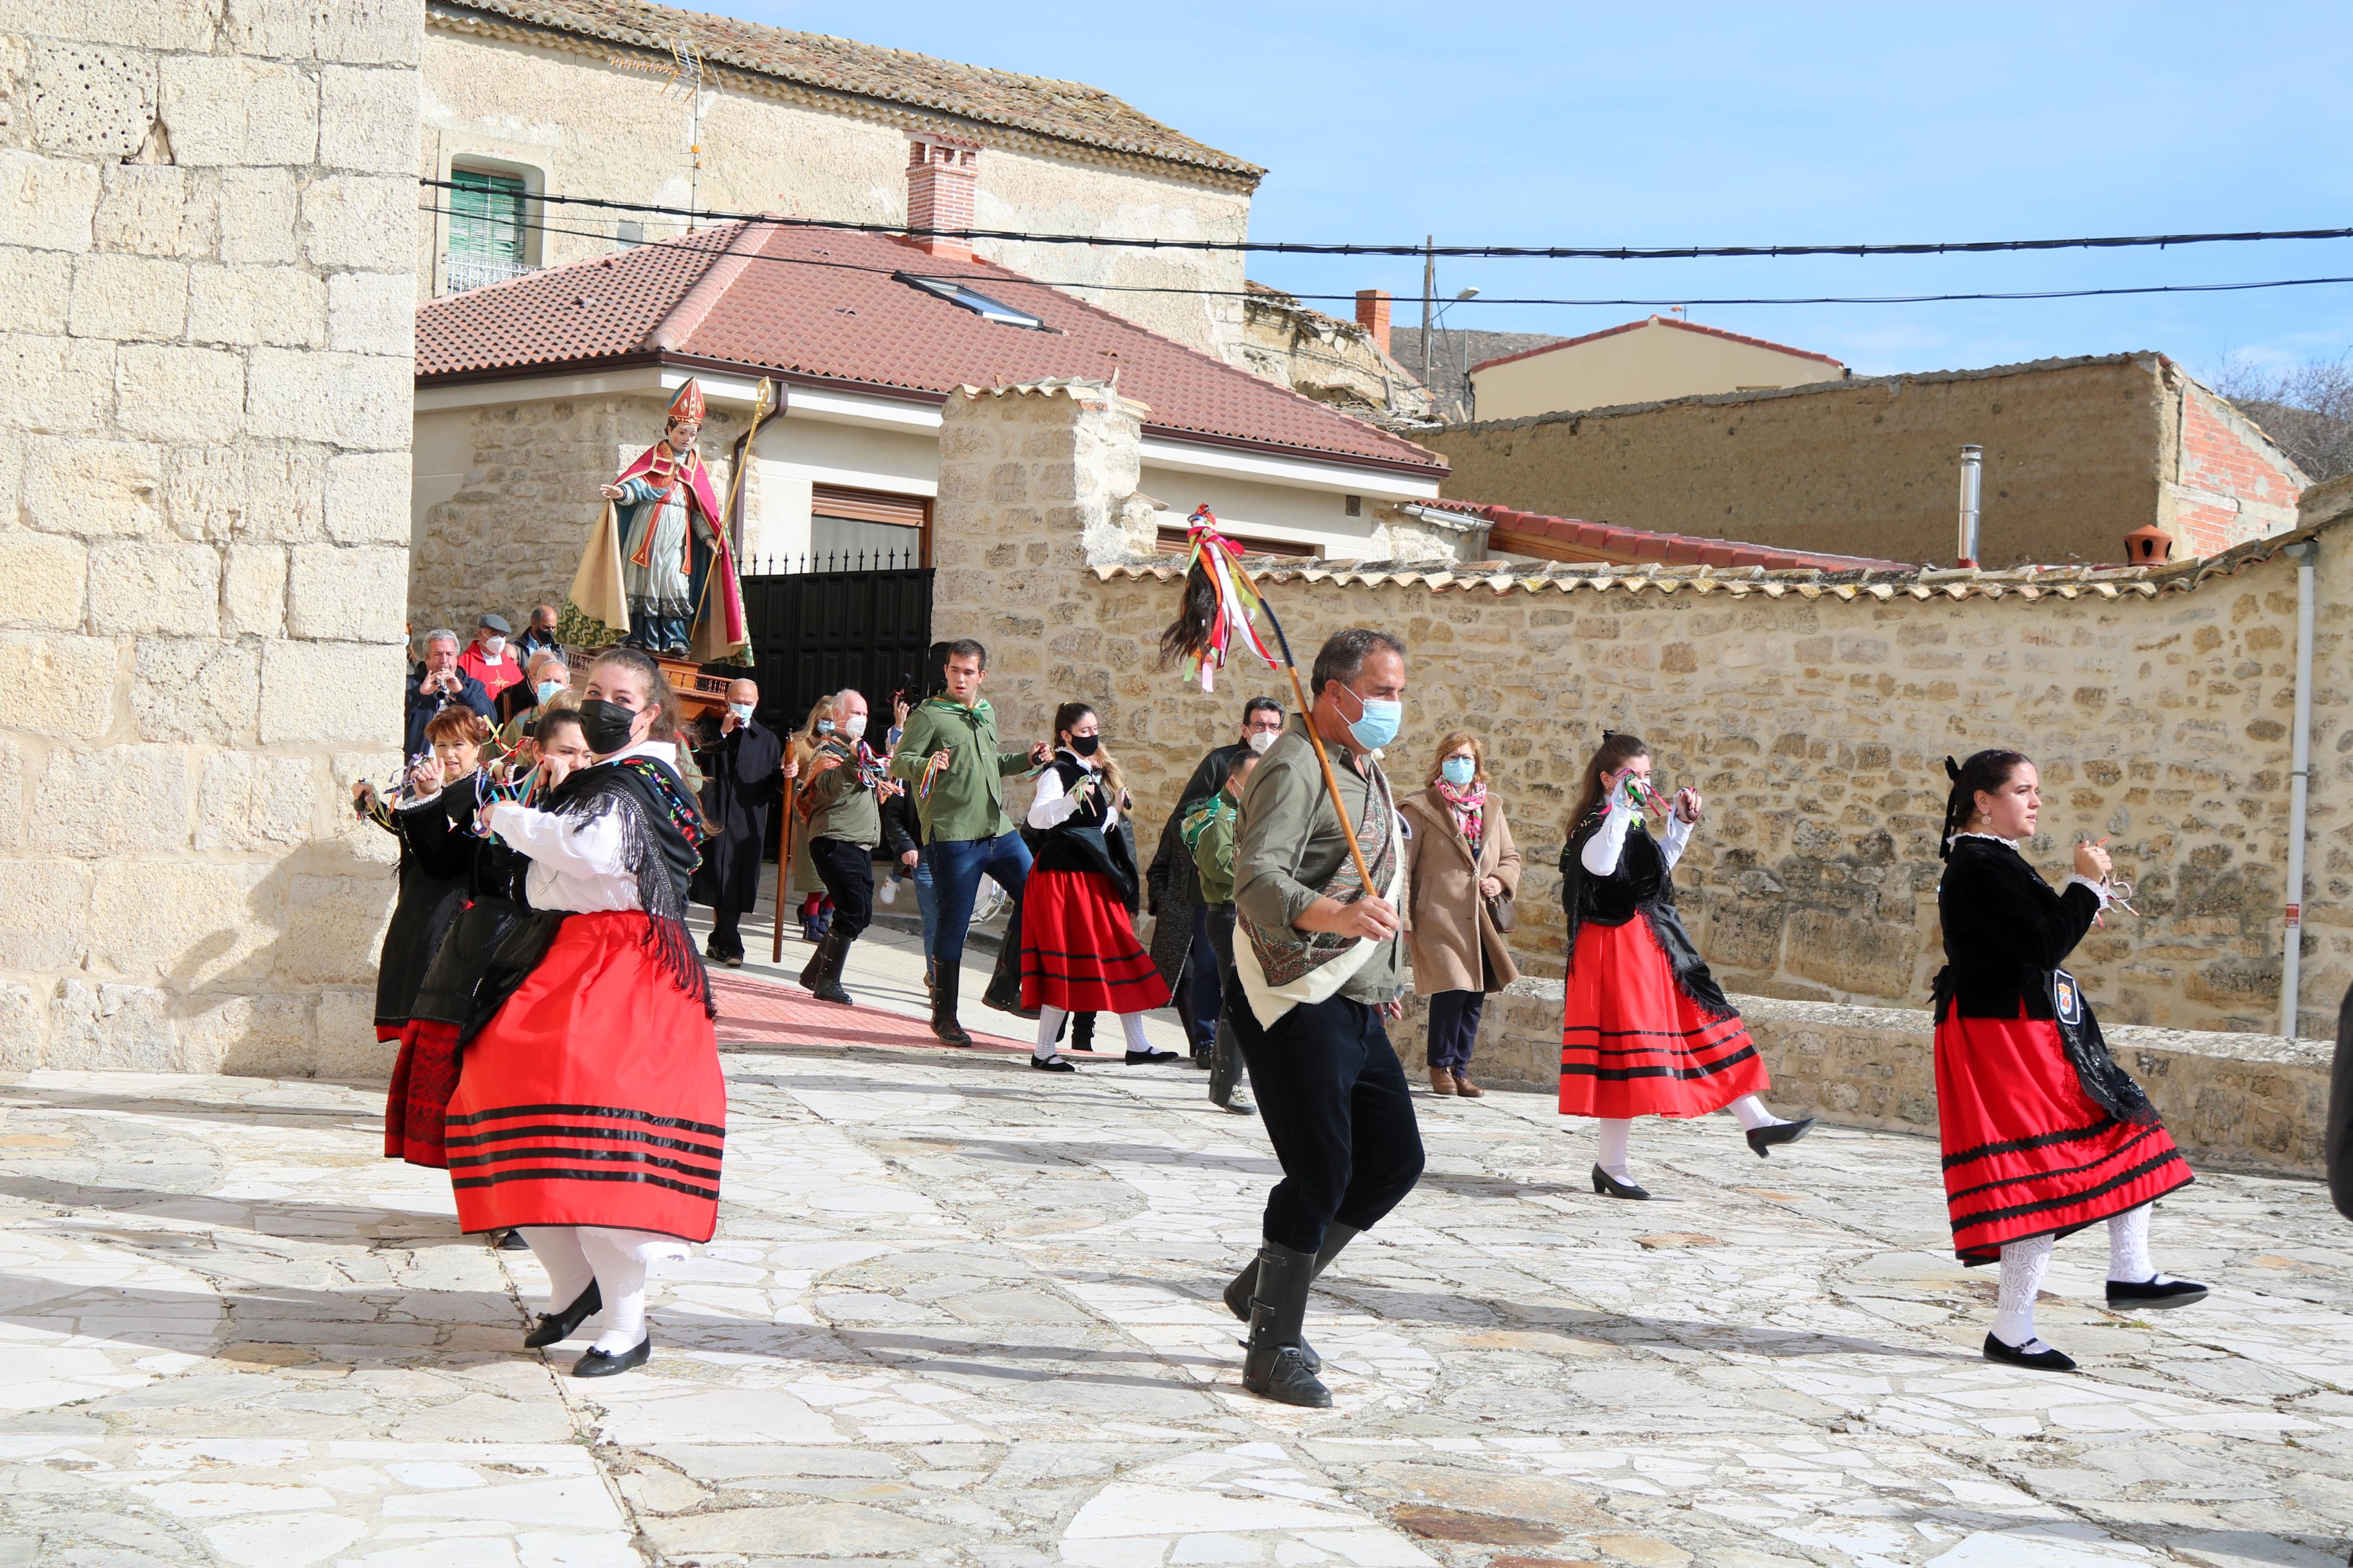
1036, 482
206, 225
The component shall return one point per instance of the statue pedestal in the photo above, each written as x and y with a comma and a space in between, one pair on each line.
702, 695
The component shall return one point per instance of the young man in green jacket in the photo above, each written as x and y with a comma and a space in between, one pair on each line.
949, 756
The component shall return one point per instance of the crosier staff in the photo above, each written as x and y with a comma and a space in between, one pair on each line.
1219, 603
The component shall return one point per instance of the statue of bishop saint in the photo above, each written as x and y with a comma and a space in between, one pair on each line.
657, 568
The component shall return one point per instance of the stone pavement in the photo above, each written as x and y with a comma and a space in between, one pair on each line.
958, 1312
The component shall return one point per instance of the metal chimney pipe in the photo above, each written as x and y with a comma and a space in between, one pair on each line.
1972, 467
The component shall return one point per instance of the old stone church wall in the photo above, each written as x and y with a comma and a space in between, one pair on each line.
205, 392
1817, 725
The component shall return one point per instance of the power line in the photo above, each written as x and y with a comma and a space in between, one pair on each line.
1016, 282
1511, 252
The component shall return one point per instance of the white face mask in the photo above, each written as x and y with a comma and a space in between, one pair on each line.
494, 647
1260, 740
854, 726
741, 710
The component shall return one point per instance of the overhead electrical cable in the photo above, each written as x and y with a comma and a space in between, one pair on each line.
1509, 252
998, 281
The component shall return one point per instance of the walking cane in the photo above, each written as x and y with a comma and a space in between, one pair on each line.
1218, 603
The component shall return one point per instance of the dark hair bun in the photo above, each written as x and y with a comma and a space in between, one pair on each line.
1952, 770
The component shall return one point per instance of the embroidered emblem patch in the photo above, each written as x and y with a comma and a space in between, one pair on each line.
2066, 998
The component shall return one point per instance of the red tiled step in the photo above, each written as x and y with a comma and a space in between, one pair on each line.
761, 1012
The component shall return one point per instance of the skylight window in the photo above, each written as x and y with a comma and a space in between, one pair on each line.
971, 298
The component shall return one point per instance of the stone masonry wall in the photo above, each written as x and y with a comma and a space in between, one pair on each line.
2078, 453
511, 537
205, 294
1816, 726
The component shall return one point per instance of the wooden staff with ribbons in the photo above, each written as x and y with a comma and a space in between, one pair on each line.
1219, 611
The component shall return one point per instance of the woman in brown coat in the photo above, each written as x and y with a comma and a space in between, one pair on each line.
1461, 857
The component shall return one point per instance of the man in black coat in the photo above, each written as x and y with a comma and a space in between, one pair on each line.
742, 767
1181, 936
436, 686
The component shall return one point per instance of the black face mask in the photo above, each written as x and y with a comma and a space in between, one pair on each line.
1085, 744
606, 726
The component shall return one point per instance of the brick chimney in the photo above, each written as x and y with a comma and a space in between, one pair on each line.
941, 174
1373, 315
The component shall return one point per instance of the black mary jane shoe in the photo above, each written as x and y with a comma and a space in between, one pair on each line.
1148, 1058
2153, 1295
2045, 1360
1053, 1064
594, 1362
1762, 1139
513, 1241
1610, 1186
555, 1328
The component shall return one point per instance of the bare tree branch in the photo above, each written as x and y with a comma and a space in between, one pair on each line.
2306, 408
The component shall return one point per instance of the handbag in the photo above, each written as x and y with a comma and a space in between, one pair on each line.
1499, 911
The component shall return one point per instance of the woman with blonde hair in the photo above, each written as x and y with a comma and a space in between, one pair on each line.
1078, 951
800, 751
1462, 871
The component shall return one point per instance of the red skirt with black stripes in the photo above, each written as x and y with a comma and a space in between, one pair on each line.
594, 1098
1079, 950
2027, 1151
1633, 1044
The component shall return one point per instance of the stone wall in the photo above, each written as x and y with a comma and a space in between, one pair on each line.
2233, 1101
550, 107
1333, 362
204, 391
2078, 453
511, 535
1815, 724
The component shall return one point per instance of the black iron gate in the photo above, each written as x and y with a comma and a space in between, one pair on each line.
824, 623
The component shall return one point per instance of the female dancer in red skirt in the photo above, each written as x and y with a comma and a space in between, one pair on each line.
1078, 951
590, 1111
1645, 1031
2042, 1133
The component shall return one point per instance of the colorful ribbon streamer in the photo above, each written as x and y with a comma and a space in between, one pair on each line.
1238, 601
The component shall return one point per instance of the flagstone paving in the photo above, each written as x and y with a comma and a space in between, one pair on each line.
959, 1313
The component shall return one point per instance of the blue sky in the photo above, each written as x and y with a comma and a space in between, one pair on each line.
1720, 124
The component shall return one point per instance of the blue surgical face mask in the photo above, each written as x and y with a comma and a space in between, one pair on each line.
1460, 771
548, 690
1380, 723
825, 726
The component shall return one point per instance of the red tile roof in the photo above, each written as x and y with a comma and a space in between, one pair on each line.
1570, 539
820, 304
1675, 322
1065, 111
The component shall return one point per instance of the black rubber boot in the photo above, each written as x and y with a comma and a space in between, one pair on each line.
1004, 991
1238, 1294
945, 1027
1226, 1072
831, 954
1276, 1364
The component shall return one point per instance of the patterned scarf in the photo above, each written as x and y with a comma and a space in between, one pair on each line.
1470, 809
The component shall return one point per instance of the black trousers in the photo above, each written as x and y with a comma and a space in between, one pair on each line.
1334, 1101
1454, 1027
847, 870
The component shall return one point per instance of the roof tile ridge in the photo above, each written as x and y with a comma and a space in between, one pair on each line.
694, 306
1678, 322
1209, 359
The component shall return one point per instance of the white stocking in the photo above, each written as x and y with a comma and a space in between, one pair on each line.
557, 1247
2022, 1263
2128, 1259
619, 1259
1615, 1132
1132, 1025
1752, 1114
1049, 1026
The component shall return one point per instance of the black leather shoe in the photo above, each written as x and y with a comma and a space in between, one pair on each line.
1148, 1056
2045, 1360
1053, 1064
555, 1328
2149, 1296
594, 1363
1603, 1182
1762, 1139
513, 1241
